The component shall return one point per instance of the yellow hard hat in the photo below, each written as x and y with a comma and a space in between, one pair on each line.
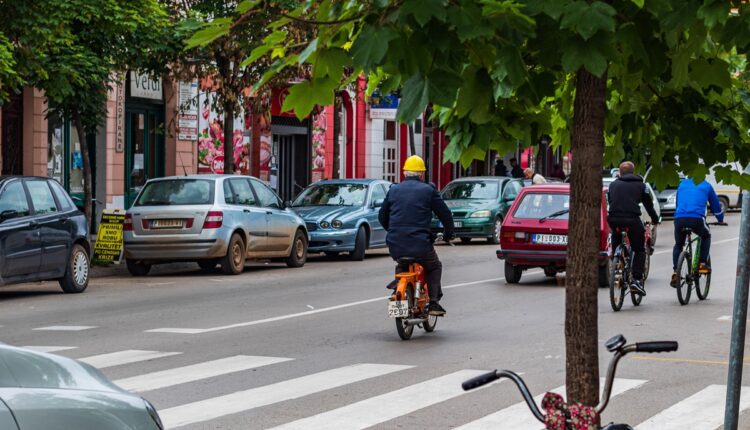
414, 164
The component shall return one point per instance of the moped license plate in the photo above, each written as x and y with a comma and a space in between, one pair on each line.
398, 308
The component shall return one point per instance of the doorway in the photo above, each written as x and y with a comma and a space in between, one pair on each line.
144, 153
293, 160
12, 137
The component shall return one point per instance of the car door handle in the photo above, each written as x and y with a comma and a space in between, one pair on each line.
33, 224
64, 219
269, 213
247, 211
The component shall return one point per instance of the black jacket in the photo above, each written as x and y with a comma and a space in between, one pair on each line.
500, 169
516, 172
406, 215
625, 194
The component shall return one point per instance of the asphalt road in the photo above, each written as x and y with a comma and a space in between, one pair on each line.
276, 345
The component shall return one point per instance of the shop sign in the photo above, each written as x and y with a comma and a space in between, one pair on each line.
383, 107
120, 116
145, 86
108, 247
187, 120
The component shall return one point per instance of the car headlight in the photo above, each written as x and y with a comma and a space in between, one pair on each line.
324, 224
153, 414
481, 214
672, 198
337, 223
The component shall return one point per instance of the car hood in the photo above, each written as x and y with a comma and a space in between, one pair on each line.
326, 213
23, 368
666, 193
470, 205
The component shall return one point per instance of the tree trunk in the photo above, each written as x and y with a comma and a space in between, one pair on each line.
581, 330
228, 138
87, 194
412, 144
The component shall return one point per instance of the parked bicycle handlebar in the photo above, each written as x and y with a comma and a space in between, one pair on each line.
658, 346
486, 378
480, 380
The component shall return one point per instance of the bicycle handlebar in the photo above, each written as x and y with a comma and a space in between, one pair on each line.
480, 380
441, 238
657, 346
486, 378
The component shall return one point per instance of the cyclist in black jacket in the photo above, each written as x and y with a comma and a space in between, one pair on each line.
624, 196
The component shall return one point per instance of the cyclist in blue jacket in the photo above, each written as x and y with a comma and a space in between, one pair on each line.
691, 213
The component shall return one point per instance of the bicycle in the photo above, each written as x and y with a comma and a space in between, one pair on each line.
560, 416
620, 265
691, 279
408, 303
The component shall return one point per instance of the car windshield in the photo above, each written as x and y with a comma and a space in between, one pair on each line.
177, 192
333, 195
471, 190
540, 205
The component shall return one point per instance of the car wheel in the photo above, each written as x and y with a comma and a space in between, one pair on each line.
495, 238
360, 246
512, 273
298, 255
207, 264
76, 277
550, 272
137, 268
465, 240
234, 262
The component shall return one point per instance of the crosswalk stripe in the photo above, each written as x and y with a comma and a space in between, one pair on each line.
519, 417
388, 406
66, 328
703, 410
124, 357
39, 348
241, 401
196, 372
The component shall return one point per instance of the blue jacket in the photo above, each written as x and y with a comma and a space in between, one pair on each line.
692, 200
406, 215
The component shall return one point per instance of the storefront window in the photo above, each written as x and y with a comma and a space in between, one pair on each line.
75, 182
64, 156
56, 151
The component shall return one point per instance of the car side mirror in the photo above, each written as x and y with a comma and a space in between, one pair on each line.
287, 204
8, 214
508, 199
378, 203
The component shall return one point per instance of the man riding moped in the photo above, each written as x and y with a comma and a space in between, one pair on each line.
406, 215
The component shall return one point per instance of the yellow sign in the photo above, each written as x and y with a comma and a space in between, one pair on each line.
108, 247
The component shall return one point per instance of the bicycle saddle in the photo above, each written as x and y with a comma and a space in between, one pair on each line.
406, 260
686, 230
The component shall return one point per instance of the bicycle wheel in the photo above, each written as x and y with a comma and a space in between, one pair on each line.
685, 284
405, 330
702, 292
616, 286
646, 266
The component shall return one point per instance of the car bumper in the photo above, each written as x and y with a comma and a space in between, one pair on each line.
332, 240
208, 244
540, 258
481, 227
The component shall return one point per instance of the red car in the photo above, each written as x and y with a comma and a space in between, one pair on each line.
535, 233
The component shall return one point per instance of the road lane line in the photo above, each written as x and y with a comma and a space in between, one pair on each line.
519, 417
703, 410
379, 409
66, 328
683, 360
48, 348
196, 372
246, 400
124, 357
304, 313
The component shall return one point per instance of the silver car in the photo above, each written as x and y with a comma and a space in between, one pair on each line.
211, 219
41, 391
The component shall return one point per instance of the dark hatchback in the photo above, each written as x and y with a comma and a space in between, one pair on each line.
42, 234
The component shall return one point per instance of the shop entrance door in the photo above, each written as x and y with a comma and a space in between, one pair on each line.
293, 164
144, 152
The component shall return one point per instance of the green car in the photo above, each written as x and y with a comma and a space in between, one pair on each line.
479, 205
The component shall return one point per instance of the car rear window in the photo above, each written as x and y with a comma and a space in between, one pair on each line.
540, 205
471, 190
177, 192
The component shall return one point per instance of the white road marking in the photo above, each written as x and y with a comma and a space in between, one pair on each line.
519, 417
66, 328
703, 410
124, 357
241, 401
724, 318
379, 409
49, 348
305, 313
196, 372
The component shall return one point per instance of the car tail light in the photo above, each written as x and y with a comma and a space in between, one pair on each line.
515, 236
213, 219
128, 224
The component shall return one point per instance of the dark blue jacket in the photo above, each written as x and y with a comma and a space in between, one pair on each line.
406, 215
692, 200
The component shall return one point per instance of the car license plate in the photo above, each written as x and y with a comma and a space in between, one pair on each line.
458, 224
166, 223
398, 308
550, 239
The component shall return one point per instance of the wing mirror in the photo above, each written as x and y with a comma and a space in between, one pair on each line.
287, 204
8, 214
378, 203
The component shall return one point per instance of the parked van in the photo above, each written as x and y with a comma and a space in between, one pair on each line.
730, 195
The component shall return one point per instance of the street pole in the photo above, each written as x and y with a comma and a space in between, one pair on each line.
739, 318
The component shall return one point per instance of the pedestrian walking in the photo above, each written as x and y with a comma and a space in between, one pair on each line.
515, 169
500, 169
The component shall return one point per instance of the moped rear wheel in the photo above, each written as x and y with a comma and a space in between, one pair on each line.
616, 283
430, 323
684, 271
404, 330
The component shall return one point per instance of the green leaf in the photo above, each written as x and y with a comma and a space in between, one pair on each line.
578, 53
680, 62
214, 30
424, 10
331, 62
587, 19
305, 54
256, 54
275, 38
246, 5
553, 9
638, 3
414, 99
303, 96
371, 45
443, 85
706, 74
714, 12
